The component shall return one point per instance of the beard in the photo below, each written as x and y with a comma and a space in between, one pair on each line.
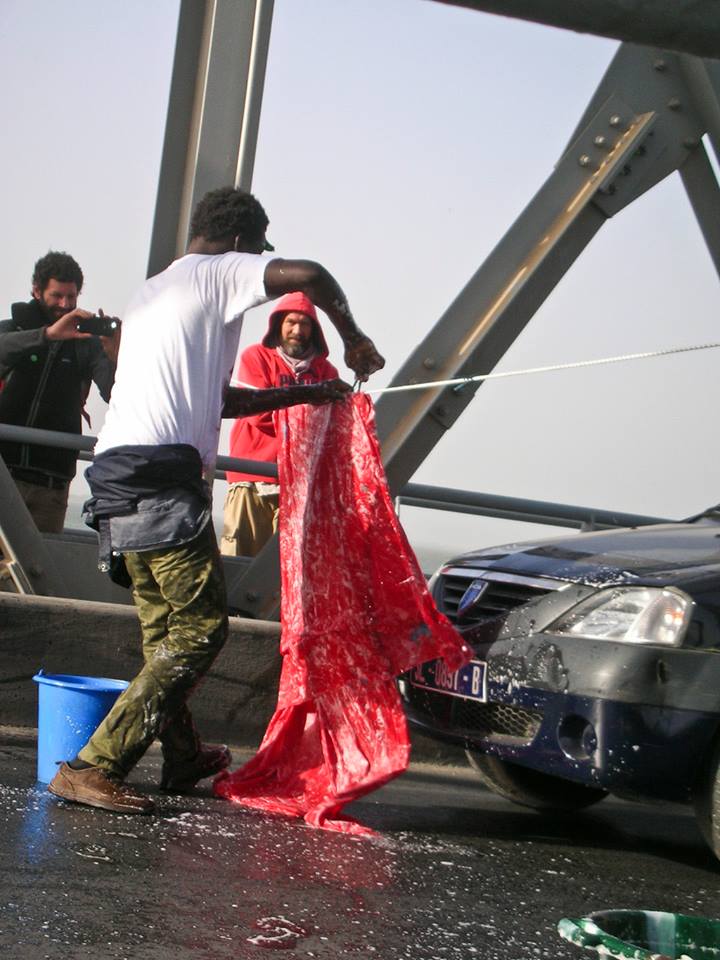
53, 313
295, 348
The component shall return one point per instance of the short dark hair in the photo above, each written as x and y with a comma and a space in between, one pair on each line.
228, 212
57, 266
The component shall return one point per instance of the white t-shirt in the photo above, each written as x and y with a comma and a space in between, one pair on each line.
180, 336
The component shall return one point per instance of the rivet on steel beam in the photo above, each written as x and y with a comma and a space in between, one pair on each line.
600, 140
674, 103
429, 363
585, 161
660, 65
615, 120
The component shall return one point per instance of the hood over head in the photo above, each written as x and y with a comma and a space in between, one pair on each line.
295, 302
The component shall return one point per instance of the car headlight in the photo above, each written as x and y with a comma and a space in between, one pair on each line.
629, 614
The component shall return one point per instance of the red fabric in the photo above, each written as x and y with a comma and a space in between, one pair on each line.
356, 612
255, 438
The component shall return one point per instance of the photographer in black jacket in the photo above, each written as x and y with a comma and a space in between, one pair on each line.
47, 367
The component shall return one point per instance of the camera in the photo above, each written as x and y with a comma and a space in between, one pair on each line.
99, 326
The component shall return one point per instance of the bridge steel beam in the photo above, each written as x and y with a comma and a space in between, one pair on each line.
703, 80
641, 125
213, 112
516, 508
686, 26
703, 192
23, 552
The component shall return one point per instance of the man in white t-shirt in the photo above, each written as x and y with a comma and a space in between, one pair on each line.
150, 502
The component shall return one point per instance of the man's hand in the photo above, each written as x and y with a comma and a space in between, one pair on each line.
327, 391
362, 357
66, 327
247, 402
111, 344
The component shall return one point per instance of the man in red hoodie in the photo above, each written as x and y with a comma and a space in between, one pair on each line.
293, 351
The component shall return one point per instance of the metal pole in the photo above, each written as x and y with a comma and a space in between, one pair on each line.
518, 508
253, 100
22, 547
46, 438
703, 192
688, 26
703, 80
180, 128
213, 112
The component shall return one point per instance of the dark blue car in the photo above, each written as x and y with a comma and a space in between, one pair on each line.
596, 668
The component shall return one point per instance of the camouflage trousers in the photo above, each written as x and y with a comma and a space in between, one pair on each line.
179, 593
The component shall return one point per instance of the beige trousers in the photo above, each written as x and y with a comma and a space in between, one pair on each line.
250, 518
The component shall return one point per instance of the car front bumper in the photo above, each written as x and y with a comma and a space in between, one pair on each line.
636, 721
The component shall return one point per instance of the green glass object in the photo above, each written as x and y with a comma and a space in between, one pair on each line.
645, 934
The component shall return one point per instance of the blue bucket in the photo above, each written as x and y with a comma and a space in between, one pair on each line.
69, 711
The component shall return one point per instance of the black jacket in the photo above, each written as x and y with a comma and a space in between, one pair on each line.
145, 498
44, 385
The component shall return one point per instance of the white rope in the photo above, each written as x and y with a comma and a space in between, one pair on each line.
556, 366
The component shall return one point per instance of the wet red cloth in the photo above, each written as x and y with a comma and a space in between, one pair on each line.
356, 612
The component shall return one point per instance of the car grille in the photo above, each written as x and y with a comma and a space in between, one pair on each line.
461, 715
501, 595
472, 718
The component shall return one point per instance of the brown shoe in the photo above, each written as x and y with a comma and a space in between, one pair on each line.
96, 788
179, 777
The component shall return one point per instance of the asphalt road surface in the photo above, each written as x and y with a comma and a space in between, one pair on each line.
454, 873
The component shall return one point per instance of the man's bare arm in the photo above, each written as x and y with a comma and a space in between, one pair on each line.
244, 402
317, 283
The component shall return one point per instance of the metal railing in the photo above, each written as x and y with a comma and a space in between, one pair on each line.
521, 509
412, 494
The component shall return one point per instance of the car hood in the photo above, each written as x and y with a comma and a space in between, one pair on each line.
674, 552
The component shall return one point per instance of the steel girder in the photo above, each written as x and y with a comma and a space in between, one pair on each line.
23, 552
687, 26
213, 112
643, 122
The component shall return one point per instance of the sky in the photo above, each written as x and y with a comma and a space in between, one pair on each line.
399, 140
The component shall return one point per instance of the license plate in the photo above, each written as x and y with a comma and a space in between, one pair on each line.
469, 682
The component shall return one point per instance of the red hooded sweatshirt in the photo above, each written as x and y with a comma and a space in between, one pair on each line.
254, 438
